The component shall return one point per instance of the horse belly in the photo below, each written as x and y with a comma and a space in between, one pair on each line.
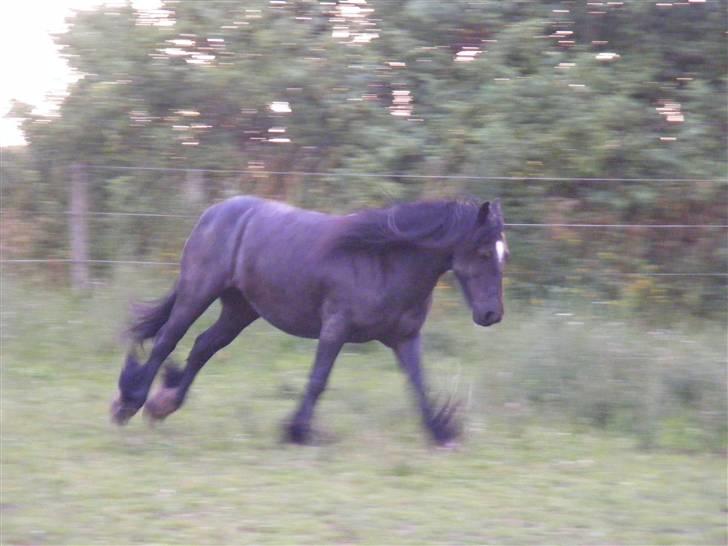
294, 325
286, 303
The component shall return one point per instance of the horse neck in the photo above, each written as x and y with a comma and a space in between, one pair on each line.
424, 267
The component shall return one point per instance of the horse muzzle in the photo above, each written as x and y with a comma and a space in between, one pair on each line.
487, 318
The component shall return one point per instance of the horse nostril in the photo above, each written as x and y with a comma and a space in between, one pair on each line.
487, 318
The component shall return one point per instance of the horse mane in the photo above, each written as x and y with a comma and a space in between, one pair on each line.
425, 224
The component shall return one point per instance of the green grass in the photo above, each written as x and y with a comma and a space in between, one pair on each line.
538, 464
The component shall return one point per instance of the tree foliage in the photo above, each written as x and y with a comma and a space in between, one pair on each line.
519, 90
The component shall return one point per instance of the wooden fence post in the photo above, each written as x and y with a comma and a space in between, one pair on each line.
78, 226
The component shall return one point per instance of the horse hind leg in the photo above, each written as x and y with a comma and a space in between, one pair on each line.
135, 379
236, 314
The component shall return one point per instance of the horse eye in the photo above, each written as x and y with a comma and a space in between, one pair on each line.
485, 253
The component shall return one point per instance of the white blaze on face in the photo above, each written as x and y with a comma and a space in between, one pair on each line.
500, 250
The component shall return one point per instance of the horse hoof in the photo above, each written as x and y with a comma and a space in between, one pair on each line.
450, 445
305, 435
444, 426
121, 412
298, 433
163, 403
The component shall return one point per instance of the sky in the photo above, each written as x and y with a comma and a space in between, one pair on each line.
26, 27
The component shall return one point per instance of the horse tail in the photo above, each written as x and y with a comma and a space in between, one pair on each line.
149, 317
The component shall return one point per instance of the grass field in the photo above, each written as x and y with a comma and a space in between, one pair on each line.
578, 430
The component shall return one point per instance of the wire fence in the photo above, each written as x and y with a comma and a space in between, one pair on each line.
350, 174
159, 263
256, 171
507, 224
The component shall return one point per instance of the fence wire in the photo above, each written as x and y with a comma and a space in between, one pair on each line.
159, 263
253, 171
400, 175
507, 224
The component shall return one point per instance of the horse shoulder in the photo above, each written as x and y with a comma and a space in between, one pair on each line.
374, 294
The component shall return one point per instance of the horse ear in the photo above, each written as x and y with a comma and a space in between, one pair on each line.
483, 213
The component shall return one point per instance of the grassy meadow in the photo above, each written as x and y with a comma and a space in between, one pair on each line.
581, 427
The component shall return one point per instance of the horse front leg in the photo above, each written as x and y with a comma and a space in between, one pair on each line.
440, 423
298, 429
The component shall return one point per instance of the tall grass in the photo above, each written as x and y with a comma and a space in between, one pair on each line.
590, 366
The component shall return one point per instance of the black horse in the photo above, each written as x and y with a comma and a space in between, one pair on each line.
355, 278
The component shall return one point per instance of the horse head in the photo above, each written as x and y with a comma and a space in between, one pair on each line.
478, 263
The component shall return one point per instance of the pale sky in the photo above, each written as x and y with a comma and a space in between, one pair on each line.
29, 62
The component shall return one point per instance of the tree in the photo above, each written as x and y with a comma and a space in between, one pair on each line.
554, 89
